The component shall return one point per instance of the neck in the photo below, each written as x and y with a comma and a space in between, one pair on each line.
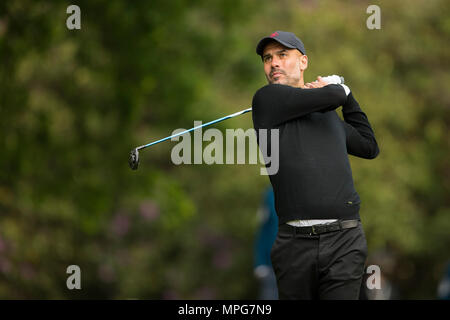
301, 82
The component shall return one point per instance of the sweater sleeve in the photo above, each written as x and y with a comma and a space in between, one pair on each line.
275, 104
360, 137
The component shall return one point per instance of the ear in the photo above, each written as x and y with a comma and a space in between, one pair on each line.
303, 62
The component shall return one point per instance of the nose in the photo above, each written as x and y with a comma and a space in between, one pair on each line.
275, 62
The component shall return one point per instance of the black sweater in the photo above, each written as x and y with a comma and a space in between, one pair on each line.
314, 179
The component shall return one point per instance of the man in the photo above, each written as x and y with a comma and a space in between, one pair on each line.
320, 249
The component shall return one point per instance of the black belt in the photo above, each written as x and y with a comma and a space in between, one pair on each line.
318, 228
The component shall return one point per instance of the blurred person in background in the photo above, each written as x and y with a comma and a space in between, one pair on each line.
444, 285
265, 237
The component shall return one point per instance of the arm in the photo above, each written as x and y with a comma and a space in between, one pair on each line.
275, 104
361, 140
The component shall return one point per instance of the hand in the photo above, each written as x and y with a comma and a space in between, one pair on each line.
261, 271
334, 79
319, 83
323, 81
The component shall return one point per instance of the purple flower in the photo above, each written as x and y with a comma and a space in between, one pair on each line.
149, 210
120, 225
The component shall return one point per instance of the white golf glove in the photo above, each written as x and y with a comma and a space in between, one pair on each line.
335, 79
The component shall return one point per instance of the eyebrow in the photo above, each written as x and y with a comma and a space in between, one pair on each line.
278, 52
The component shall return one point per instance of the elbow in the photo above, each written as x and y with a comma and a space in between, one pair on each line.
260, 98
366, 150
264, 103
369, 151
371, 148
374, 152
259, 109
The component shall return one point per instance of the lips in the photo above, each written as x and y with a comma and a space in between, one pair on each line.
276, 74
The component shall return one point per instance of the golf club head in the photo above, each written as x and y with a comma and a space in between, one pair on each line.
133, 160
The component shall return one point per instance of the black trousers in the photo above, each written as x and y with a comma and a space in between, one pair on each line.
324, 266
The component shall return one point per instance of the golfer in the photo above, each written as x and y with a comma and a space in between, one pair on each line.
320, 249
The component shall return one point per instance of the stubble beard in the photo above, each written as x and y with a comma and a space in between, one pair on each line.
285, 80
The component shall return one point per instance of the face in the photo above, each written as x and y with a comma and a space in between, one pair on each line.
283, 65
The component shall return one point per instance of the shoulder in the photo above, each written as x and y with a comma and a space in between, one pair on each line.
270, 94
273, 88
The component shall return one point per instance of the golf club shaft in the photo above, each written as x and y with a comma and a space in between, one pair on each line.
196, 127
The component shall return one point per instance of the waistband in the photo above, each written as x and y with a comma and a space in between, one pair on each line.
318, 228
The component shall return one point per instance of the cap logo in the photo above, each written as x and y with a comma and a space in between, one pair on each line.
274, 34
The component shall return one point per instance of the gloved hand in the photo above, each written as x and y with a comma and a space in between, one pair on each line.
335, 79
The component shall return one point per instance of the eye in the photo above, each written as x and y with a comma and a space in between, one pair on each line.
267, 58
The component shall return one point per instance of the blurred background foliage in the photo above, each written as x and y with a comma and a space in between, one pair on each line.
73, 103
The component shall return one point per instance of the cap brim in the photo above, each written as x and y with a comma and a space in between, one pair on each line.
263, 42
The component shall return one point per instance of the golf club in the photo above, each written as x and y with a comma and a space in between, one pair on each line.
133, 159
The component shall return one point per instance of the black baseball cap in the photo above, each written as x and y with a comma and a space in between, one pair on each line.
287, 39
